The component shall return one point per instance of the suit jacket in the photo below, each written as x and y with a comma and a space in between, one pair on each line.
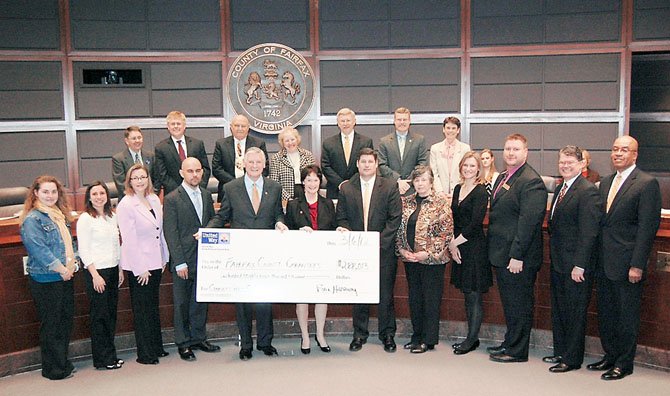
236, 207
143, 246
122, 161
574, 227
297, 214
439, 165
384, 214
168, 163
629, 228
515, 219
281, 170
223, 160
181, 222
415, 154
333, 163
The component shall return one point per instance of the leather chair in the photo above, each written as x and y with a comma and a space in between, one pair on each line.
11, 200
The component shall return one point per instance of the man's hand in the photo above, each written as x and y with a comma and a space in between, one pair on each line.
634, 275
281, 226
577, 274
403, 186
183, 273
515, 266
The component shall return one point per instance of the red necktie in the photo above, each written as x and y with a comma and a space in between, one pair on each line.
182, 153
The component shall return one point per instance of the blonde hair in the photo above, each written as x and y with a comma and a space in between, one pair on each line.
176, 114
346, 111
492, 169
286, 131
475, 155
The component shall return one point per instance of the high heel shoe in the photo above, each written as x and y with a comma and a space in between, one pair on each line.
462, 351
323, 348
305, 351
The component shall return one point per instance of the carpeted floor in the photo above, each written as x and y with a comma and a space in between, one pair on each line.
368, 372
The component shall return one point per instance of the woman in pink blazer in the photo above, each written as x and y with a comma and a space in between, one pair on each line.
144, 254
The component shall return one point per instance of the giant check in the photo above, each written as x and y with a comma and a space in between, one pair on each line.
292, 266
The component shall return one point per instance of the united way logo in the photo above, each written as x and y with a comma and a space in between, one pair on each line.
272, 85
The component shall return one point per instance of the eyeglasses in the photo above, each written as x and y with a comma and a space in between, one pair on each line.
138, 178
567, 163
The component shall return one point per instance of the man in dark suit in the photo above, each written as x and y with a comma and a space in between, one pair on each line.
370, 203
252, 202
518, 205
340, 152
172, 151
631, 208
402, 151
227, 162
574, 220
185, 210
122, 161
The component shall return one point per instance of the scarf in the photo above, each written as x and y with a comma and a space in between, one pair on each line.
59, 219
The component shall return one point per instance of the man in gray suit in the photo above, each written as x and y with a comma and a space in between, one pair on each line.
122, 161
186, 209
252, 202
400, 152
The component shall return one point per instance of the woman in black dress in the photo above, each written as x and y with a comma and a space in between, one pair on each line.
470, 272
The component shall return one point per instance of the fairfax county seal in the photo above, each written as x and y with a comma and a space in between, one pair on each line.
272, 85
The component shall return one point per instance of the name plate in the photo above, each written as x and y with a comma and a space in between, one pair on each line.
270, 266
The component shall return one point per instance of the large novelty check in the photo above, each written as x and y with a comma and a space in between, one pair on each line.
292, 266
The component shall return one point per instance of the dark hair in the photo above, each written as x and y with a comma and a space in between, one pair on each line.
572, 151
367, 151
107, 210
131, 128
308, 170
452, 120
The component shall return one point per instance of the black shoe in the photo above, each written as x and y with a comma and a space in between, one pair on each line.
496, 350
245, 354
430, 347
146, 361
186, 354
323, 348
120, 362
205, 346
455, 345
408, 346
419, 348
112, 366
164, 353
268, 350
563, 368
357, 344
602, 365
502, 358
462, 351
305, 351
553, 359
615, 374
389, 344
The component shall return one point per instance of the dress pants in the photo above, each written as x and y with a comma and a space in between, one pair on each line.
146, 317
516, 294
103, 316
619, 320
190, 317
425, 283
385, 309
569, 302
54, 302
244, 313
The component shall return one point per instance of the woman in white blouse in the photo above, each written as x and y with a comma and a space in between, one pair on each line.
285, 165
99, 250
446, 155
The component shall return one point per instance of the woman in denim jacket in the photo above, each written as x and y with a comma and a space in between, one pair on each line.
45, 232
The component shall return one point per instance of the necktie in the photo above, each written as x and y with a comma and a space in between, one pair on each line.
366, 204
255, 198
137, 159
182, 153
238, 162
503, 181
561, 193
613, 191
347, 148
401, 145
197, 199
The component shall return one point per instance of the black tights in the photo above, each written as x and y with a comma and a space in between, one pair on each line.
475, 314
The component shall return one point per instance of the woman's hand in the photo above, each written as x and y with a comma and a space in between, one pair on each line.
143, 279
121, 277
98, 284
306, 228
421, 256
455, 254
66, 273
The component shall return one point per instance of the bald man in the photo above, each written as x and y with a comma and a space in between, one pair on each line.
185, 210
228, 159
631, 215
